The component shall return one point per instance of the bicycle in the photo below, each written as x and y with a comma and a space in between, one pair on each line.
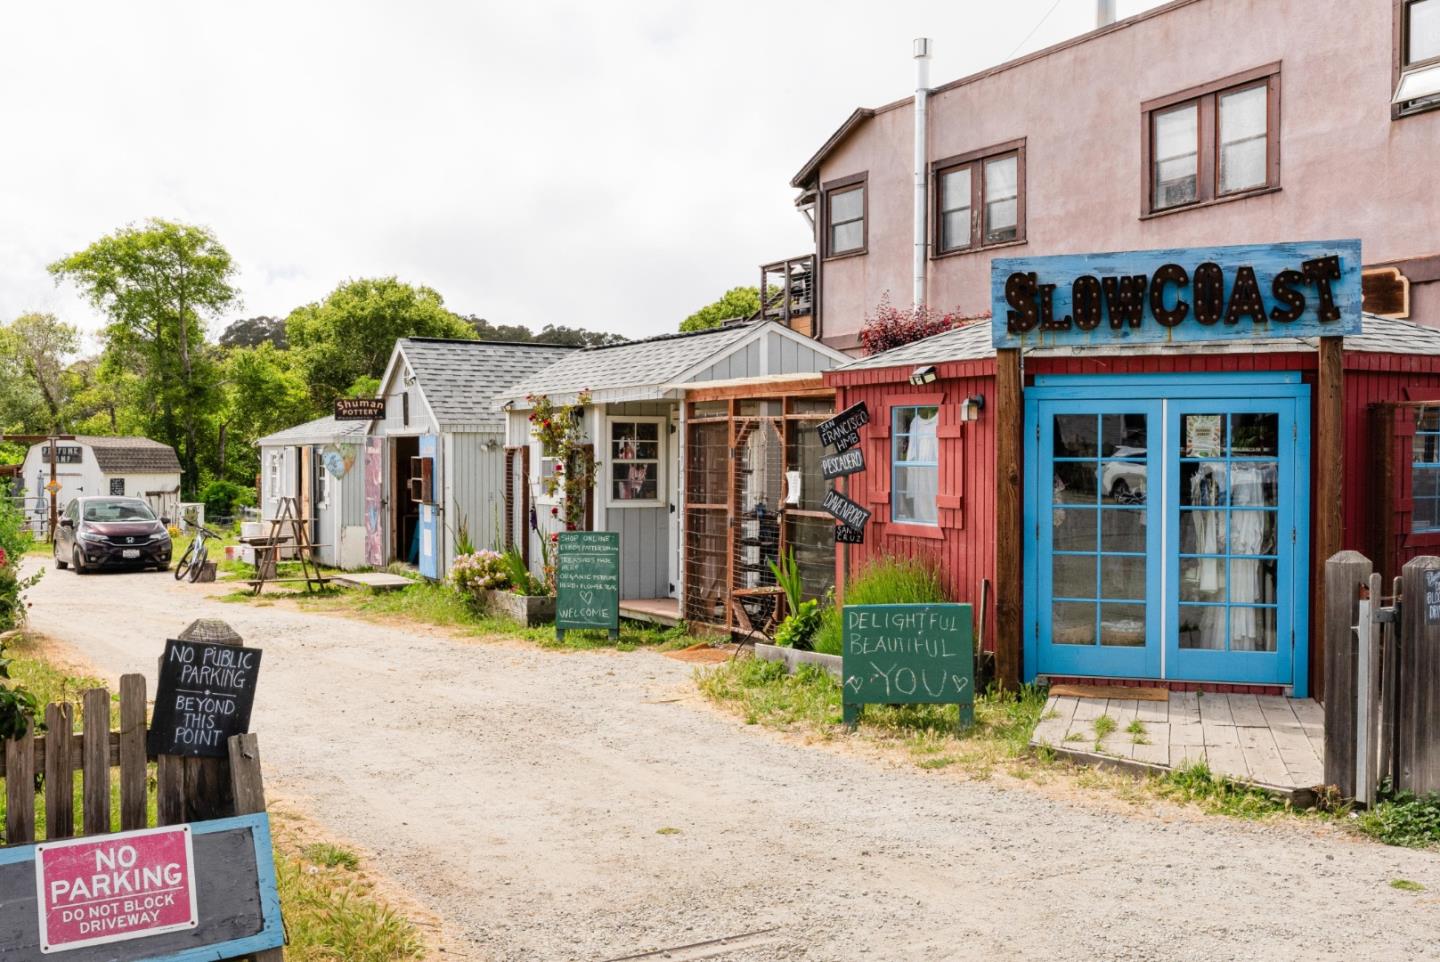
192, 562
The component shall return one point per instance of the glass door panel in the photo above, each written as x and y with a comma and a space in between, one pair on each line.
1098, 531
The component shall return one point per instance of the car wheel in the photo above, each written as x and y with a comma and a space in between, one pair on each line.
78, 561
60, 562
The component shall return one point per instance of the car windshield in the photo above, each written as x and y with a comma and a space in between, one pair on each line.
118, 510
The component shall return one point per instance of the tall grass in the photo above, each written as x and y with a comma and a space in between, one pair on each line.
887, 581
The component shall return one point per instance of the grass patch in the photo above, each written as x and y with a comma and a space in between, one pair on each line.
1198, 785
327, 855
1404, 820
889, 581
1104, 725
667, 830
1405, 885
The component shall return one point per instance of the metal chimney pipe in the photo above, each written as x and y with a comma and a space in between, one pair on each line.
922, 175
1104, 13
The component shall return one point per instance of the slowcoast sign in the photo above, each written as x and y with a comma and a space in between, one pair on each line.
1308, 289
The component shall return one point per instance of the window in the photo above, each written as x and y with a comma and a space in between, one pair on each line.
550, 467
845, 216
635, 463
273, 482
1213, 143
1425, 471
980, 198
117, 487
915, 461
1417, 56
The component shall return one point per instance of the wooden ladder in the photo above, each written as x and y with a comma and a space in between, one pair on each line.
267, 556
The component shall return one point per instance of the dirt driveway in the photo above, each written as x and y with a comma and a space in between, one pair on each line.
519, 794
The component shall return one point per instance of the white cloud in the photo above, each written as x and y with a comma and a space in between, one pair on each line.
610, 165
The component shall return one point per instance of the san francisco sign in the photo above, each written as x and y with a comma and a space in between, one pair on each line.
1309, 289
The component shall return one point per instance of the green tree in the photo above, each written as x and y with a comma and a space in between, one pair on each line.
159, 284
265, 392
39, 344
736, 302
351, 333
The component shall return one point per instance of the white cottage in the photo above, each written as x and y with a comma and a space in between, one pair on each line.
434, 466
635, 425
318, 464
87, 465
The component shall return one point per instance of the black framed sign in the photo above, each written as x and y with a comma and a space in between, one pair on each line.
842, 430
844, 534
204, 696
849, 461
844, 510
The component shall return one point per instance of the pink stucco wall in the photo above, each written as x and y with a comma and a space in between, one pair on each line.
1346, 168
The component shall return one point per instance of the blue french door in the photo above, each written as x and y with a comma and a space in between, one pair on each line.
1098, 530
1236, 530
1167, 528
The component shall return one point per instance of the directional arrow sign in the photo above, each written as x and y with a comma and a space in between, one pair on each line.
844, 510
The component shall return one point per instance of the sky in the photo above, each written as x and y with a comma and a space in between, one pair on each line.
612, 165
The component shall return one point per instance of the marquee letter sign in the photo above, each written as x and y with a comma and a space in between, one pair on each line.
1309, 289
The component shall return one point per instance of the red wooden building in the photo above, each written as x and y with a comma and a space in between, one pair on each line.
1092, 535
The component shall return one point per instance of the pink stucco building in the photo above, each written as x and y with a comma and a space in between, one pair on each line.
1198, 122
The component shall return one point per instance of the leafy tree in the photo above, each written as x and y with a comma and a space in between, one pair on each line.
22, 409
159, 284
265, 391
736, 302
549, 334
351, 333
254, 331
40, 343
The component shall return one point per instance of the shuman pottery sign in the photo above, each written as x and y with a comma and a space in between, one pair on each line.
204, 696
587, 581
109, 888
907, 655
359, 408
1308, 289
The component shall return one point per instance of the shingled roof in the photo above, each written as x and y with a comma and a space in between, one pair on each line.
1378, 335
460, 379
131, 455
632, 371
319, 431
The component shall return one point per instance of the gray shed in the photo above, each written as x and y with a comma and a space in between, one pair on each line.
318, 464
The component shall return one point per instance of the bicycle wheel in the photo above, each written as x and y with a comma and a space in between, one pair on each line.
197, 564
182, 567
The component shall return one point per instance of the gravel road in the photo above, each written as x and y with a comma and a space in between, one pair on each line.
519, 794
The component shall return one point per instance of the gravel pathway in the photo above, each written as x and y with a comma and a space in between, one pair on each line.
520, 794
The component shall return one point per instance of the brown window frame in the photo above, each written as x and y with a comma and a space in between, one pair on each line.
1399, 46
1206, 99
840, 186
975, 160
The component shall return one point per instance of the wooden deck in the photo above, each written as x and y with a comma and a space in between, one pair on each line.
660, 611
1276, 743
374, 580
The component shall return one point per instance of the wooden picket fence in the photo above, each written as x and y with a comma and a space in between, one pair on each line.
187, 789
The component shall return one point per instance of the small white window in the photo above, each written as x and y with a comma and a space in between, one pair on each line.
636, 468
549, 466
273, 484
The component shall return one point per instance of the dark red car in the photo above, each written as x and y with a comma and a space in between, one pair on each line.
97, 533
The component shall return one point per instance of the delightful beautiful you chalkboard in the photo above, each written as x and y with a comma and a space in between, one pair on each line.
587, 582
204, 696
908, 655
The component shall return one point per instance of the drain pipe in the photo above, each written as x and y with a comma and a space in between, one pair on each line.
1104, 13
922, 176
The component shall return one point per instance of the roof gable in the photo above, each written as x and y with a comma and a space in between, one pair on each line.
131, 455
459, 380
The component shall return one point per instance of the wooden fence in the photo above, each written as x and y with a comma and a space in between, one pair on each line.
1382, 677
187, 789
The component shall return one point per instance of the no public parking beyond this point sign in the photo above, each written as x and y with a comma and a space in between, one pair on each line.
109, 888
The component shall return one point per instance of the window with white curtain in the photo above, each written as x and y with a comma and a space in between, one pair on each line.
915, 463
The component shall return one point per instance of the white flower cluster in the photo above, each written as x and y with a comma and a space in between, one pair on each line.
480, 571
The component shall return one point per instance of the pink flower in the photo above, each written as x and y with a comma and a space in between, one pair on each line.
4, 558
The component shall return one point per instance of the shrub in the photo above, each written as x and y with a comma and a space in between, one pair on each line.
1404, 820
223, 497
890, 327
799, 629
479, 571
521, 580
15, 540
885, 581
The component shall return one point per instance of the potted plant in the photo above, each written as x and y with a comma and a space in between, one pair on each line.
499, 583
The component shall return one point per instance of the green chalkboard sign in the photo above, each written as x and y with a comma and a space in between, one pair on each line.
908, 655
587, 582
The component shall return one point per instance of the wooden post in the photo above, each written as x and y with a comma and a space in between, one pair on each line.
20, 789
95, 754
59, 777
1345, 574
1417, 722
132, 752
247, 786
1328, 445
1009, 517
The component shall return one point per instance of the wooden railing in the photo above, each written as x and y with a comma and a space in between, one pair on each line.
788, 292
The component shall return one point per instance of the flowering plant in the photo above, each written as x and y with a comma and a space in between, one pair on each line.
560, 430
480, 571
890, 327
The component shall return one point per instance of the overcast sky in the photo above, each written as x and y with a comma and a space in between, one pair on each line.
610, 164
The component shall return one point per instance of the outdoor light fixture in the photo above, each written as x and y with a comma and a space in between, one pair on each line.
923, 375
508, 406
970, 407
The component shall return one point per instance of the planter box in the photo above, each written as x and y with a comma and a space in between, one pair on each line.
528, 610
794, 658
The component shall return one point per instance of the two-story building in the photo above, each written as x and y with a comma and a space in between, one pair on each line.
1196, 125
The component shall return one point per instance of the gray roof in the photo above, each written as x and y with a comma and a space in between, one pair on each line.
610, 373
460, 379
1378, 335
131, 455
324, 430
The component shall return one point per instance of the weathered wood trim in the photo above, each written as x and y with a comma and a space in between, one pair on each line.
1328, 447
1009, 517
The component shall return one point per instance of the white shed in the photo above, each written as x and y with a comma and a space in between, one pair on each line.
88, 465
318, 464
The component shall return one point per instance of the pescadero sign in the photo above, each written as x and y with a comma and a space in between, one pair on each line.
849, 461
204, 696
907, 655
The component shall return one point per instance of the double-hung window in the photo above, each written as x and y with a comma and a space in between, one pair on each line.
635, 462
980, 198
1425, 471
845, 216
1214, 142
915, 461
1417, 53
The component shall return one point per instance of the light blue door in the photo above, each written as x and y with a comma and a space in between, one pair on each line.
1098, 532
1237, 522
430, 507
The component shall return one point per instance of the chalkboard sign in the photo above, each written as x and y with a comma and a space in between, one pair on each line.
204, 696
359, 408
907, 655
844, 534
1432, 596
587, 581
844, 510
849, 461
843, 429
